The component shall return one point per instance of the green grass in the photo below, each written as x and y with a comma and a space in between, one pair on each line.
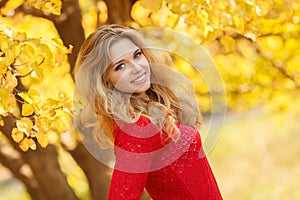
257, 156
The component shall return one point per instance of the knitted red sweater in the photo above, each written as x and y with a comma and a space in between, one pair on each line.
167, 169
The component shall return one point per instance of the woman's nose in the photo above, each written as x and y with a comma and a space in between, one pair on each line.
136, 67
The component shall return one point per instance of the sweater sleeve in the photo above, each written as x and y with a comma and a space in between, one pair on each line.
134, 154
127, 186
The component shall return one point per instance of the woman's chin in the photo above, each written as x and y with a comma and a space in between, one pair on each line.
142, 89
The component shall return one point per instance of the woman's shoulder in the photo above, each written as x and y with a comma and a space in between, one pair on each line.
142, 128
141, 136
142, 121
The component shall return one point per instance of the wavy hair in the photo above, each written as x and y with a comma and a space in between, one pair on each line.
169, 100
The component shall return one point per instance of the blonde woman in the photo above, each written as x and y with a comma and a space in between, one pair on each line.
138, 104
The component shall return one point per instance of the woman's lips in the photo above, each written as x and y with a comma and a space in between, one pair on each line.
139, 79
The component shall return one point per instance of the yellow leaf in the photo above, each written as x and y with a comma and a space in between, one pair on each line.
27, 109
19, 36
11, 5
57, 41
28, 51
140, 14
37, 108
4, 97
172, 20
38, 70
31, 143
24, 145
42, 124
17, 135
27, 143
228, 43
62, 121
39, 58
4, 39
176, 7
59, 58
163, 16
1, 122
25, 125
262, 8
2, 66
25, 97
42, 139
10, 81
153, 5
53, 103
34, 95
51, 6
24, 69
239, 23
45, 56
11, 52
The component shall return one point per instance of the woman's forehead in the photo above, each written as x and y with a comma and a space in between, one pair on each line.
121, 48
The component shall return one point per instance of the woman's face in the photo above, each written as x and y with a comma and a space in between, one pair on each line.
130, 72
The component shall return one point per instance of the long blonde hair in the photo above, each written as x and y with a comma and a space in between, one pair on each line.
169, 100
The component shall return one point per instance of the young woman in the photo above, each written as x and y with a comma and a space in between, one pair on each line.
138, 104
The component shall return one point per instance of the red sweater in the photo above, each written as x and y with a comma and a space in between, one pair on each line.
168, 170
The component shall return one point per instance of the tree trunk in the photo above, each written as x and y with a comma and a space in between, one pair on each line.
69, 27
15, 163
98, 174
118, 11
49, 176
39, 170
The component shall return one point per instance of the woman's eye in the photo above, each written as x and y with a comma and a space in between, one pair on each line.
119, 67
138, 54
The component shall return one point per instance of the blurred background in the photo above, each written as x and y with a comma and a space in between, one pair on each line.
254, 45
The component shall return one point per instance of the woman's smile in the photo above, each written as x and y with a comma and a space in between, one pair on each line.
140, 79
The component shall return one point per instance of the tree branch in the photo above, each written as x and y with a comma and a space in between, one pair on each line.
3, 2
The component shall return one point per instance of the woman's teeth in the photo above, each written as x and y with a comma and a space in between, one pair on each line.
141, 78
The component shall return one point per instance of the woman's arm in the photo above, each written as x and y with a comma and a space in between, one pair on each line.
134, 157
127, 186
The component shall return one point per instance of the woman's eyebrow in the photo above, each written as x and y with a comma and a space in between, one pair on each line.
134, 52
119, 61
137, 50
